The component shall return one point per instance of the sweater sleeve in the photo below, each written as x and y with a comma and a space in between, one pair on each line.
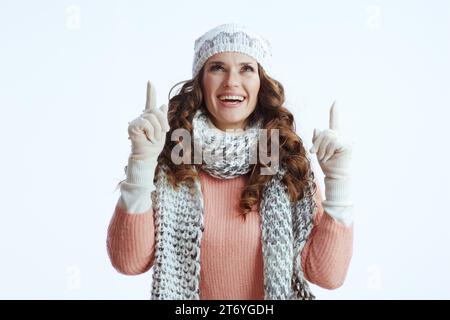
131, 241
328, 251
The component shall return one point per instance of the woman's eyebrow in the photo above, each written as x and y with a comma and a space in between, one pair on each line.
222, 63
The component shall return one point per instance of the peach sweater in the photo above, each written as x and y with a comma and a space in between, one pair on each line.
231, 251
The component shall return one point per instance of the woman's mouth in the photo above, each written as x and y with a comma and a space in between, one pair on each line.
231, 102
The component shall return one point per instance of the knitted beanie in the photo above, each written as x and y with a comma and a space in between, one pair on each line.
231, 37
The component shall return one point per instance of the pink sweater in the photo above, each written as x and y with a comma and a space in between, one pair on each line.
231, 250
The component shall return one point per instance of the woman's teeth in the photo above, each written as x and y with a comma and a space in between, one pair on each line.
231, 101
232, 98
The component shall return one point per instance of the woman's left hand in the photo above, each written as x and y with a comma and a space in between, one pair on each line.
332, 152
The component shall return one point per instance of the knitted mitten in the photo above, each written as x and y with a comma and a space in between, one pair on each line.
334, 157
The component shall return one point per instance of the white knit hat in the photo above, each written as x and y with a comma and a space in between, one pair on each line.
231, 37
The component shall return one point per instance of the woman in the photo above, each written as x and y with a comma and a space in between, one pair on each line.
214, 220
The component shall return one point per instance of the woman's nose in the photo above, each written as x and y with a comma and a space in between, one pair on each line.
232, 79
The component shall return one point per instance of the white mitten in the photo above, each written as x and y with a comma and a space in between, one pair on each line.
148, 135
148, 132
334, 157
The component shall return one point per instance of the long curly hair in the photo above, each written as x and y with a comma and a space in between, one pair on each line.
270, 108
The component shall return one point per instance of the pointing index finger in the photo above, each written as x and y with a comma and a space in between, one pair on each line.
334, 117
151, 97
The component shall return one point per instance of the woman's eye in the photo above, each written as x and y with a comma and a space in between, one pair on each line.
218, 67
215, 67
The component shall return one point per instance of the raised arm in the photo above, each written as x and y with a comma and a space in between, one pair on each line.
328, 251
131, 232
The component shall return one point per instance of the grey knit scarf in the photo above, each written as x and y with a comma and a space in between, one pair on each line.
179, 222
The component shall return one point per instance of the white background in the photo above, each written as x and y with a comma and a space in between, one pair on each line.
73, 73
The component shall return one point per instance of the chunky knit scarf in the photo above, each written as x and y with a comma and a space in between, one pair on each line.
179, 221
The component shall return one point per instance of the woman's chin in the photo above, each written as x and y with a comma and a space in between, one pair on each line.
231, 118
235, 123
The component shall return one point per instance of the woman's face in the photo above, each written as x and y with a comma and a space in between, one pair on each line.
227, 75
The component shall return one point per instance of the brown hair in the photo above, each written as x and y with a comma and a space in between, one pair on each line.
269, 108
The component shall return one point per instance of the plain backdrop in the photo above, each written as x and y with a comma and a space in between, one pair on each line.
73, 74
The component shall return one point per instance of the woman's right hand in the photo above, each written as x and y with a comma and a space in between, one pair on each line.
148, 132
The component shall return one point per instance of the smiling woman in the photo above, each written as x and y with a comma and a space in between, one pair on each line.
230, 86
221, 228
